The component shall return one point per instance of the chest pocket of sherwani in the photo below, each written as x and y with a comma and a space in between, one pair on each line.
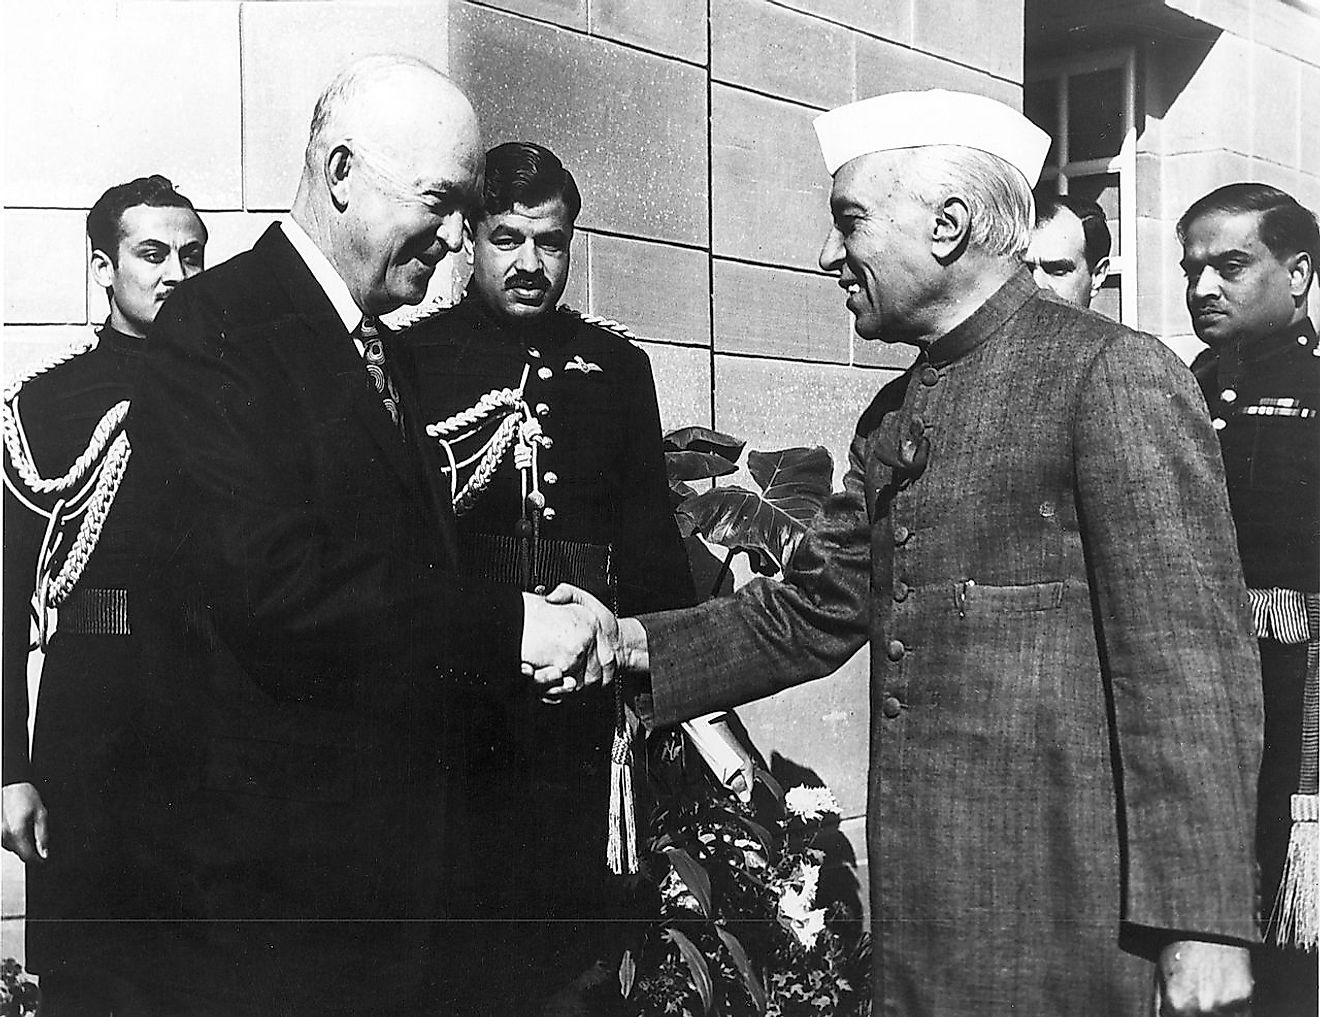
969, 597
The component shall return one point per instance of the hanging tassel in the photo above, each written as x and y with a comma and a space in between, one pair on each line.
621, 848
1296, 917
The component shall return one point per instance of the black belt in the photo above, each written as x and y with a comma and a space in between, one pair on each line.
93, 611
500, 559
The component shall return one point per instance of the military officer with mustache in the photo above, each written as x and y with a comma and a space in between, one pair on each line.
548, 421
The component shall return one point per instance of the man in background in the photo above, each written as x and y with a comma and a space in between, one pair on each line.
576, 491
1069, 249
311, 640
1249, 255
69, 538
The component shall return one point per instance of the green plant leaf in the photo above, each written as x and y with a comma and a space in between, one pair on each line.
703, 439
696, 965
692, 874
754, 987
627, 973
692, 465
794, 483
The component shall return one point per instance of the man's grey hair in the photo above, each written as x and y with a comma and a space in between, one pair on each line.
997, 195
338, 97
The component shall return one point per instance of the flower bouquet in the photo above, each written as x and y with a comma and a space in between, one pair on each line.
742, 928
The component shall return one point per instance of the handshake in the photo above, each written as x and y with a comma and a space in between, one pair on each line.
570, 640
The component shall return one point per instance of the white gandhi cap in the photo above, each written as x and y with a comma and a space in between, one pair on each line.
935, 117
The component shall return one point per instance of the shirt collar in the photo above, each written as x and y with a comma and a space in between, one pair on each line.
326, 277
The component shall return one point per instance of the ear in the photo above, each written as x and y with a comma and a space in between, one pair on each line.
1098, 276
950, 229
338, 166
103, 269
1300, 272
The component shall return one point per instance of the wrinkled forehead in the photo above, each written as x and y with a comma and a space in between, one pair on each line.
868, 179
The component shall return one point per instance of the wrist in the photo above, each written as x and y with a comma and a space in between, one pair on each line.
634, 653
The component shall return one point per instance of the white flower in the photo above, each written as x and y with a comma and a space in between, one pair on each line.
810, 802
796, 912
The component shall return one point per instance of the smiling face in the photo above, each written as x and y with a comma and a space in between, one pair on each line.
881, 247
158, 248
520, 259
1236, 288
404, 215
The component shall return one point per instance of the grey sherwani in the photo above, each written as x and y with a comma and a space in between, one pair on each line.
1066, 719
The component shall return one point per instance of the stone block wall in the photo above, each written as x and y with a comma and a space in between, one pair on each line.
1235, 105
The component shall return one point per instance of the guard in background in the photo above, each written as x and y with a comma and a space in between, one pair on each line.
67, 539
1249, 254
549, 423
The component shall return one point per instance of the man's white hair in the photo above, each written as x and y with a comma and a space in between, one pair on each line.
336, 102
997, 195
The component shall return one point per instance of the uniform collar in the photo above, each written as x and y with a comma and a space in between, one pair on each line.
1249, 356
110, 338
983, 322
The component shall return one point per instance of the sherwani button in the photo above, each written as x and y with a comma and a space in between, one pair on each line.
1219, 423
901, 591
542, 409
551, 477
901, 535
929, 376
891, 707
895, 650
544, 373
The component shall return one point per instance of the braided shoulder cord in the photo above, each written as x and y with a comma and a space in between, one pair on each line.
493, 401
111, 474
20, 456
609, 324
485, 470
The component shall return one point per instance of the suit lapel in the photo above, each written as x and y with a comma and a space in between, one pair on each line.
320, 358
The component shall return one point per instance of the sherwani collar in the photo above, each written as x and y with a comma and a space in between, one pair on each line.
984, 322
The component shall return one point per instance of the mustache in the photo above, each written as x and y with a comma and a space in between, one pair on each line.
527, 281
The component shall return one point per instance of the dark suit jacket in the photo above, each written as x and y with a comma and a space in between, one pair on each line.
1065, 718
308, 644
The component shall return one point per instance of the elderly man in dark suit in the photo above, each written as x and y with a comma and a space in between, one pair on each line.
312, 644
1034, 535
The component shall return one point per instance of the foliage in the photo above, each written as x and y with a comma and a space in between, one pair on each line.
742, 926
766, 525
741, 929
19, 995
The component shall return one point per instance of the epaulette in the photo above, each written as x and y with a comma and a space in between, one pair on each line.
609, 324
406, 317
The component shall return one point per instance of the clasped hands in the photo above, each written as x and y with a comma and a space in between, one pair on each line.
571, 641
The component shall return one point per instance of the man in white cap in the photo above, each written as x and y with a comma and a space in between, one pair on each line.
1035, 538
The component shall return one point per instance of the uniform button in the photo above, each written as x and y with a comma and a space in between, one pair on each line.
901, 591
539, 589
551, 477
901, 535
891, 707
1047, 510
544, 373
929, 376
1228, 395
532, 351
548, 513
1301, 340
1219, 423
542, 410
895, 650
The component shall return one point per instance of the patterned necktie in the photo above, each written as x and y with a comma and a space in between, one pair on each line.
373, 352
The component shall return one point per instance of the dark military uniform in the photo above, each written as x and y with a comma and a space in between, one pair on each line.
1264, 400
542, 772
79, 760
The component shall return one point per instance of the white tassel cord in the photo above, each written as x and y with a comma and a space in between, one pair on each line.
1296, 917
621, 848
